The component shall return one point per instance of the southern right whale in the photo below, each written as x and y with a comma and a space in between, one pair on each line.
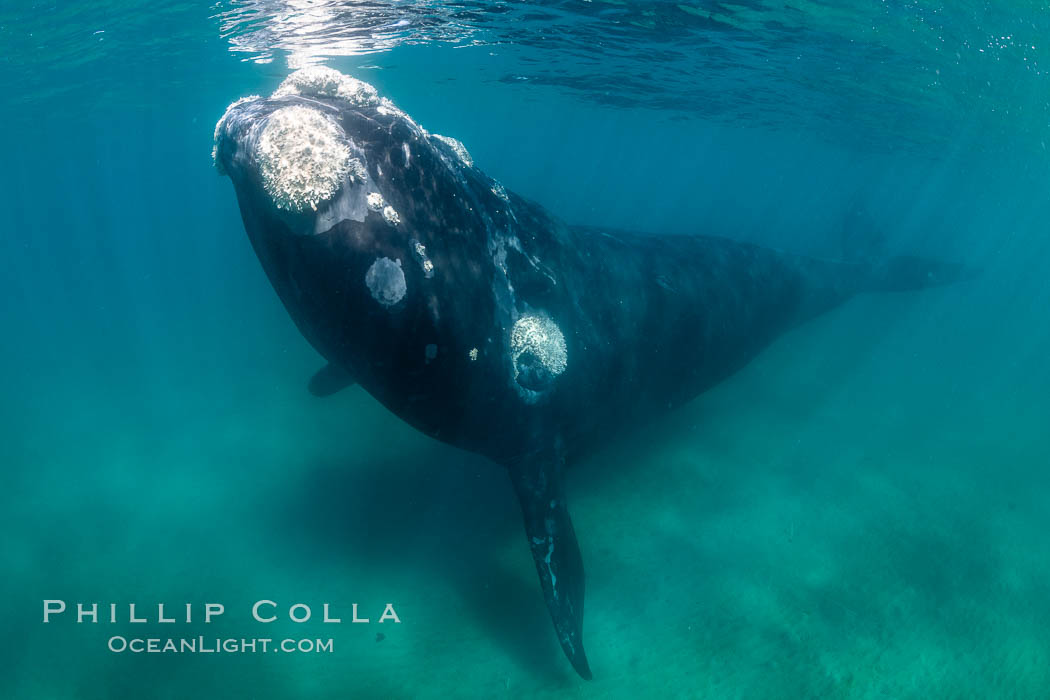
487, 323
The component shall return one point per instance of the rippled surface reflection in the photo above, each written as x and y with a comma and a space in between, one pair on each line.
877, 72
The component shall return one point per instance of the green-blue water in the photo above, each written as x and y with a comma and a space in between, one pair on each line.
859, 513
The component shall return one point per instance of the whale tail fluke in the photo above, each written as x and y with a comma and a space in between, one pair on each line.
552, 541
907, 273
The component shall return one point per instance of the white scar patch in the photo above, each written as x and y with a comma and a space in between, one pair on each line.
542, 341
302, 158
386, 281
391, 215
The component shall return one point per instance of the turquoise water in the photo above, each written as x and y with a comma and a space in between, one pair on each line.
859, 513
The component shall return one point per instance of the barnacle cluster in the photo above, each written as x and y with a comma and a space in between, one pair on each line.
537, 351
302, 158
421, 254
321, 81
391, 215
375, 201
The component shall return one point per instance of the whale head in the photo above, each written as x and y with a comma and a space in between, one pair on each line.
368, 226
325, 148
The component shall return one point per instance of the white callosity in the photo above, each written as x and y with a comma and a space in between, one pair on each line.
386, 281
388, 108
321, 81
218, 130
458, 148
302, 158
421, 254
540, 337
375, 201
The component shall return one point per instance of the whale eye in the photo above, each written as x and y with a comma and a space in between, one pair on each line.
302, 157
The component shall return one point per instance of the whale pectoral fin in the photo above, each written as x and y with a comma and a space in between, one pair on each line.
552, 540
329, 380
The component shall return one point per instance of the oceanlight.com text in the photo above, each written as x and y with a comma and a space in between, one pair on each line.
217, 645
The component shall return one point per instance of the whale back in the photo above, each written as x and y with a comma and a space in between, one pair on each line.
658, 319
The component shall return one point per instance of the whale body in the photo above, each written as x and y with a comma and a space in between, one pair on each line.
484, 321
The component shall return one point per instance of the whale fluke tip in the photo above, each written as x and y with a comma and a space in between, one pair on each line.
909, 272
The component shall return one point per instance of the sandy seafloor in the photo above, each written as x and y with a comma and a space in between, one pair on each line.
844, 518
